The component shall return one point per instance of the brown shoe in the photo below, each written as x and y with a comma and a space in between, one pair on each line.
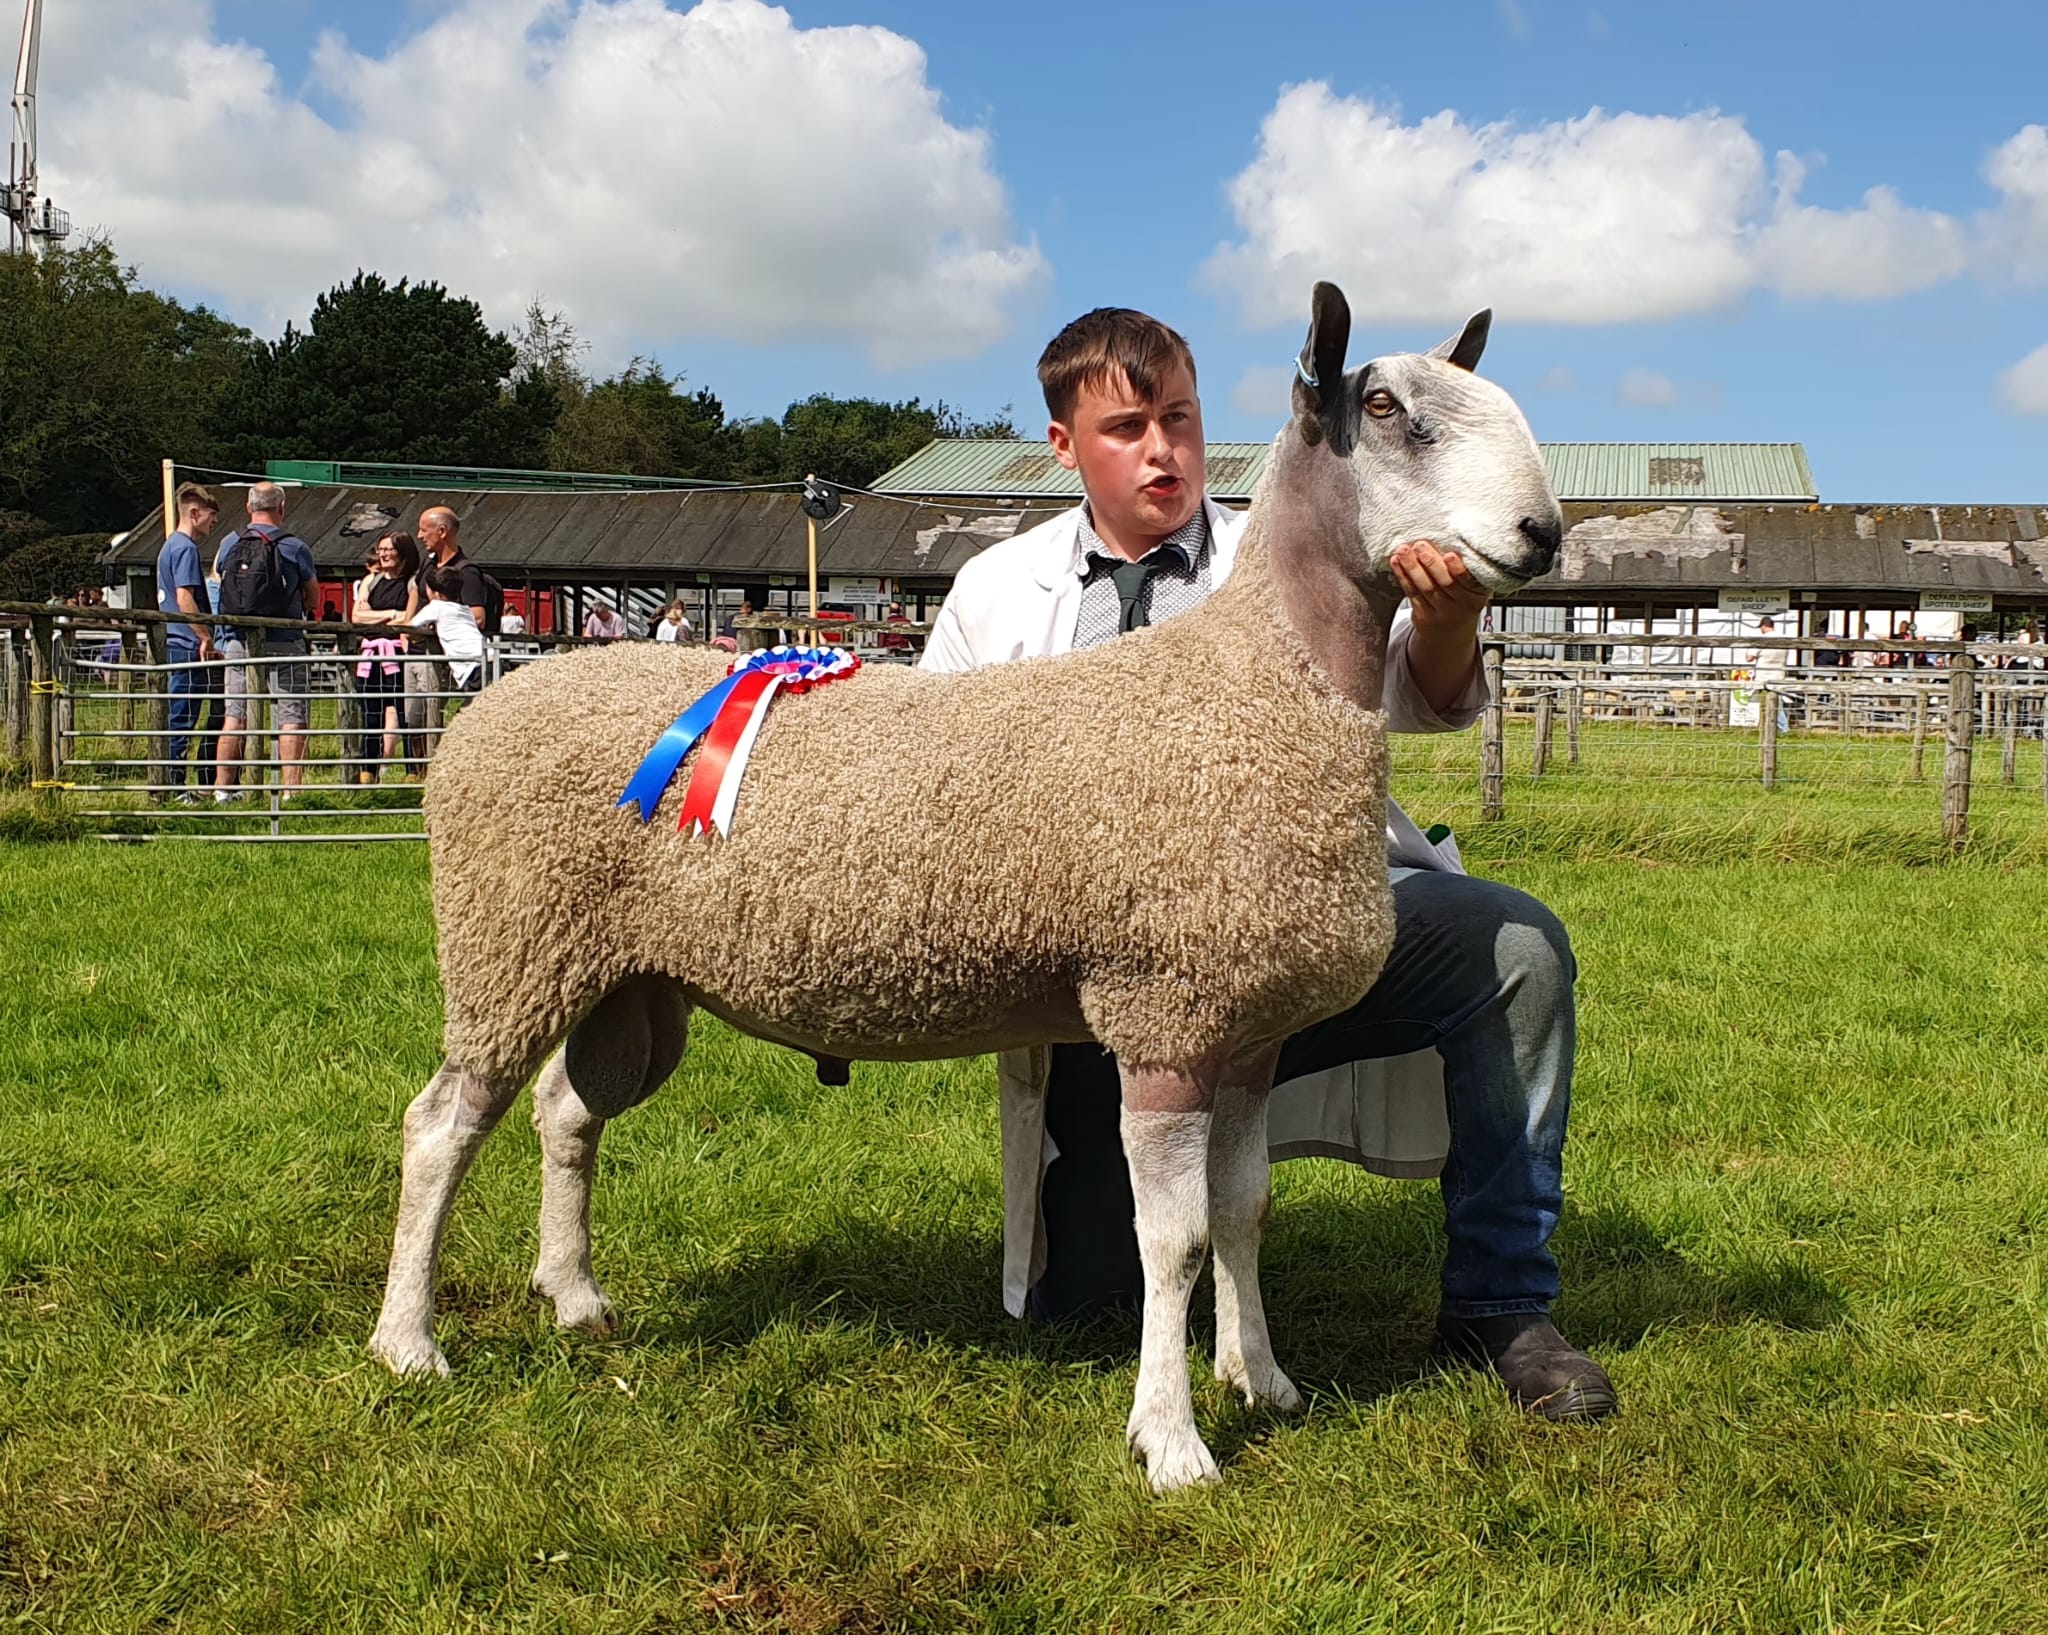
1543, 1371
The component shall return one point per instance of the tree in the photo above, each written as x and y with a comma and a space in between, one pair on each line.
852, 441
394, 372
641, 422
99, 382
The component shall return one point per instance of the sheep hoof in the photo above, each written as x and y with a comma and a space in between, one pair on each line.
416, 1357
1261, 1386
583, 1308
1174, 1456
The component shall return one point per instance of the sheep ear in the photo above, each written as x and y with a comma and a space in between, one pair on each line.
1319, 370
1462, 350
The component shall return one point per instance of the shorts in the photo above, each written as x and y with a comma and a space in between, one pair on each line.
287, 683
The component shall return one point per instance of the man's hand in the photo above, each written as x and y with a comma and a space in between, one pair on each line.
206, 648
1445, 602
1439, 587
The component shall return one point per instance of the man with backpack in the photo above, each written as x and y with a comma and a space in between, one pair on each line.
269, 574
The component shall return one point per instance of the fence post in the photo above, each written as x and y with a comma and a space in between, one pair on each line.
1573, 704
16, 701
42, 712
1955, 773
2009, 762
156, 649
1767, 734
1492, 742
1546, 715
1919, 733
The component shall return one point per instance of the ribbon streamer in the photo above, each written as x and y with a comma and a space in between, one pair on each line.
659, 767
715, 779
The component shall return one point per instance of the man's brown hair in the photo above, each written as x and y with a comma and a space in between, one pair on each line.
1099, 346
194, 494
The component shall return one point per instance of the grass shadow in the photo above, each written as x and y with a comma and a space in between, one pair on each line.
1351, 1291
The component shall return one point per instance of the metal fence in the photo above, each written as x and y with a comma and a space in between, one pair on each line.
1920, 738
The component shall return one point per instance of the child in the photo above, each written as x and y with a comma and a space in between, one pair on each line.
461, 641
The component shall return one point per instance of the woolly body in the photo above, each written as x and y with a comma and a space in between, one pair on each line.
925, 865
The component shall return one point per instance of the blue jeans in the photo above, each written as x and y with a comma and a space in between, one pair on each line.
185, 684
1479, 971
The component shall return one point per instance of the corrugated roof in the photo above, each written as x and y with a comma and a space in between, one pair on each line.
1680, 471
1019, 467
1624, 553
990, 468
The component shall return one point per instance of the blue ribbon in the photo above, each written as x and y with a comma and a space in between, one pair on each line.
651, 779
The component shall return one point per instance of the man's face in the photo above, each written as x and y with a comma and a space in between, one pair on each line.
1140, 462
199, 521
433, 531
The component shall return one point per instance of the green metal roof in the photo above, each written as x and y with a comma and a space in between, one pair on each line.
490, 479
1018, 468
1680, 471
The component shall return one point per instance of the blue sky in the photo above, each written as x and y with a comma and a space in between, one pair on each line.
781, 206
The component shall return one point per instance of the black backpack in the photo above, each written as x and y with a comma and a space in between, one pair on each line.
252, 577
494, 603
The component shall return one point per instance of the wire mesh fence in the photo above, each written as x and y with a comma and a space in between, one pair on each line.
1916, 746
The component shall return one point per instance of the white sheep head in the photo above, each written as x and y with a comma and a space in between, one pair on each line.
1435, 452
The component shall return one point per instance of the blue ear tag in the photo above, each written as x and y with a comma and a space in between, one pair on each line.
1307, 379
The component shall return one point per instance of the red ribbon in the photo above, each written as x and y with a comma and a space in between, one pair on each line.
716, 750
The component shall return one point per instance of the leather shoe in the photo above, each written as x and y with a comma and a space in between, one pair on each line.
1543, 1371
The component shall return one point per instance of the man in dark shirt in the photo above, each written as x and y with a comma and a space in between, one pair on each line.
438, 536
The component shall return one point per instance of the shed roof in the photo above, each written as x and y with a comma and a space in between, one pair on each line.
1617, 552
1025, 468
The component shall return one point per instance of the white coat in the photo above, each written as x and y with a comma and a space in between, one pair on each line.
1021, 598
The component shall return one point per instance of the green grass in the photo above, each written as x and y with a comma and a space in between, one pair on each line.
1807, 1230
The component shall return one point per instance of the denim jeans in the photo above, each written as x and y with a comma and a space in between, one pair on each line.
1481, 972
185, 684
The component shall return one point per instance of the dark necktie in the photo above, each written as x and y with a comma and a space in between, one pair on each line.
1131, 578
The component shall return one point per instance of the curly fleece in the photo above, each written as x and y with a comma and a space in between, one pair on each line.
1173, 843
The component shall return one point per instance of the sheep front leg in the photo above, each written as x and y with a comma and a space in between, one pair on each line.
1166, 1143
445, 1125
1240, 1197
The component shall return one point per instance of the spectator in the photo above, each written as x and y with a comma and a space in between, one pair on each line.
181, 588
287, 565
462, 639
440, 546
512, 623
675, 624
385, 595
604, 623
1767, 665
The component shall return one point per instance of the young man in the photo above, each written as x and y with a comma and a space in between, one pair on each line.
288, 683
181, 588
1476, 998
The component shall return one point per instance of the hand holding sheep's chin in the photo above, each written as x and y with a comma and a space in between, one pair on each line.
1445, 602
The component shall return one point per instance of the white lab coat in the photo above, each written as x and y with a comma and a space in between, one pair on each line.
1021, 598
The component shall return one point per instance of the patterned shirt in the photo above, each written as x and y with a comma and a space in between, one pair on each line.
1182, 581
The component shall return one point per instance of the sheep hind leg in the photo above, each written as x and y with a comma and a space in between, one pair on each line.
1240, 1196
614, 1059
1166, 1142
445, 1125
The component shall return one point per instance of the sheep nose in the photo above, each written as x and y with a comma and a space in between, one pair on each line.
1545, 533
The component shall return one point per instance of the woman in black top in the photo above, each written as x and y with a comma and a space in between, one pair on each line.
384, 595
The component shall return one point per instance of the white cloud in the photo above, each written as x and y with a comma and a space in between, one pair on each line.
2024, 387
1608, 218
1559, 379
2016, 232
1264, 389
656, 173
1647, 389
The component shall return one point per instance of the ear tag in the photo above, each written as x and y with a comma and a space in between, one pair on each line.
1302, 370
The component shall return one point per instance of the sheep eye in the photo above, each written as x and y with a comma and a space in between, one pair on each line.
1380, 403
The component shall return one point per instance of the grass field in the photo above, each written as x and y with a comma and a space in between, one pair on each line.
1807, 1230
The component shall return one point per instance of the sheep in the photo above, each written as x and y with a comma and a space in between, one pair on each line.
928, 800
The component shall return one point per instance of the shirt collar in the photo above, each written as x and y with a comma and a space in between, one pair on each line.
1186, 542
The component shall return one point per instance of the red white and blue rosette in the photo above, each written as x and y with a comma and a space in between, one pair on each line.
727, 719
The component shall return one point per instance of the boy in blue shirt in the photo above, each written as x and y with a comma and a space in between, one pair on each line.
181, 588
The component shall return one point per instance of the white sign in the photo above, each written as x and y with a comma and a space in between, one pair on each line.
843, 589
1755, 601
1955, 601
1745, 709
